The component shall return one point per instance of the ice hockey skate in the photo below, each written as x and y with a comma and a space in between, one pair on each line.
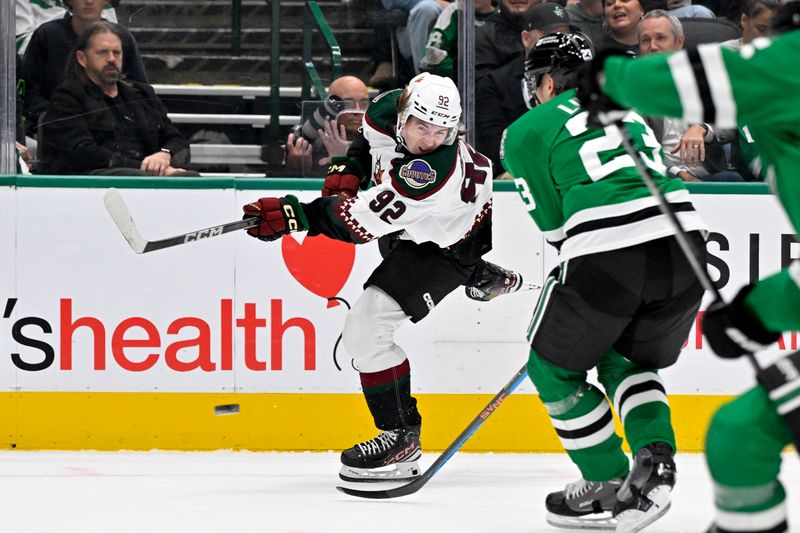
584, 505
490, 281
391, 456
645, 495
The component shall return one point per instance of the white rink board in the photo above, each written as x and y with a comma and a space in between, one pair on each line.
76, 257
8, 289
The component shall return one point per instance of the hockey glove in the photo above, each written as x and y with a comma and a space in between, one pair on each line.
603, 111
344, 177
279, 217
733, 330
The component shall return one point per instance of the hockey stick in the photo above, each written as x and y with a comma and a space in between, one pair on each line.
121, 216
780, 378
414, 486
692, 255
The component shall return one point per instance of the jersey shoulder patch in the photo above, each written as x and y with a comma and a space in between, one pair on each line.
416, 176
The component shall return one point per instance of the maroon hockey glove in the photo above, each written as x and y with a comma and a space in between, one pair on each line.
344, 177
279, 217
733, 330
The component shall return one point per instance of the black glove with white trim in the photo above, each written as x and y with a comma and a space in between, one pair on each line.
733, 330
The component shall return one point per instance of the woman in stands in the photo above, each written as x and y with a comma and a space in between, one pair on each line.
756, 21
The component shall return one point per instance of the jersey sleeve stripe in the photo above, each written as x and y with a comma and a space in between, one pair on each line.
703, 86
688, 92
719, 84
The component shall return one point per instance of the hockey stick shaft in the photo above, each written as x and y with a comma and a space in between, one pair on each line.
121, 216
692, 255
414, 486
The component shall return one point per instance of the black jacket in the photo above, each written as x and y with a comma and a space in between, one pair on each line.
499, 101
46, 58
497, 42
79, 131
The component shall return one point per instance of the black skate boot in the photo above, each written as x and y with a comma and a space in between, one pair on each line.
489, 281
583, 504
390, 456
645, 495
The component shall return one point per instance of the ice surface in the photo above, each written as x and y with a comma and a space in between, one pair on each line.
242, 492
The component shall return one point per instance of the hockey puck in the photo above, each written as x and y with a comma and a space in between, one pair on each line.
226, 409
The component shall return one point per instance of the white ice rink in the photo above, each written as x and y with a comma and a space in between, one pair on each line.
242, 492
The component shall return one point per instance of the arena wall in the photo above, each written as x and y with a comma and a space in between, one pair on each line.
102, 348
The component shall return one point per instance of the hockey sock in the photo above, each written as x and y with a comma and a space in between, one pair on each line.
582, 419
388, 396
640, 399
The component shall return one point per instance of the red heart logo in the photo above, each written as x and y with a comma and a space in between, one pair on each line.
319, 264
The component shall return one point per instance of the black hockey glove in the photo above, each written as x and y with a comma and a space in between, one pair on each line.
733, 330
603, 111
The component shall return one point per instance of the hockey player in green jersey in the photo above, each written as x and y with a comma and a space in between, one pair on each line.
758, 86
622, 300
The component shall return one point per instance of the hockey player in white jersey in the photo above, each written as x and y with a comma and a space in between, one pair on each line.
411, 179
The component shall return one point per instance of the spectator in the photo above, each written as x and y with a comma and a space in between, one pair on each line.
692, 152
23, 156
100, 123
310, 152
755, 20
587, 16
621, 20
441, 53
412, 38
30, 14
504, 93
497, 42
684, 8
46, 55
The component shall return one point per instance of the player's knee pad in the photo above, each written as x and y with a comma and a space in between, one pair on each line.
368, 334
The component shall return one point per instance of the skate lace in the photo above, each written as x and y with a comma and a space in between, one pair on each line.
576, 489
381, 443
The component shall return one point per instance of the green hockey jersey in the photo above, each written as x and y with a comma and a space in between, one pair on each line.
757, 86
580, 185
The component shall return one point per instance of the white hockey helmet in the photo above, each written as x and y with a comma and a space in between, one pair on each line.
433, 99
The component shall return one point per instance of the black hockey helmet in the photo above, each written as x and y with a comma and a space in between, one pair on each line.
560, 55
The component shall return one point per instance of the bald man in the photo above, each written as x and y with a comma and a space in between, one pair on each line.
311, 155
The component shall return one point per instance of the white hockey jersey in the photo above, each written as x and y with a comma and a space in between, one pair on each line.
441, 197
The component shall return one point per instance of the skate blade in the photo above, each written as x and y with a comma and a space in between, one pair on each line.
603, 522
405, 471
634, 520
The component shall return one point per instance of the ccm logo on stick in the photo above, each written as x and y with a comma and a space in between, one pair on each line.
203, 234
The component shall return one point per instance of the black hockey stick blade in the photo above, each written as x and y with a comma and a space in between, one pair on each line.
121, 216
414, 486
